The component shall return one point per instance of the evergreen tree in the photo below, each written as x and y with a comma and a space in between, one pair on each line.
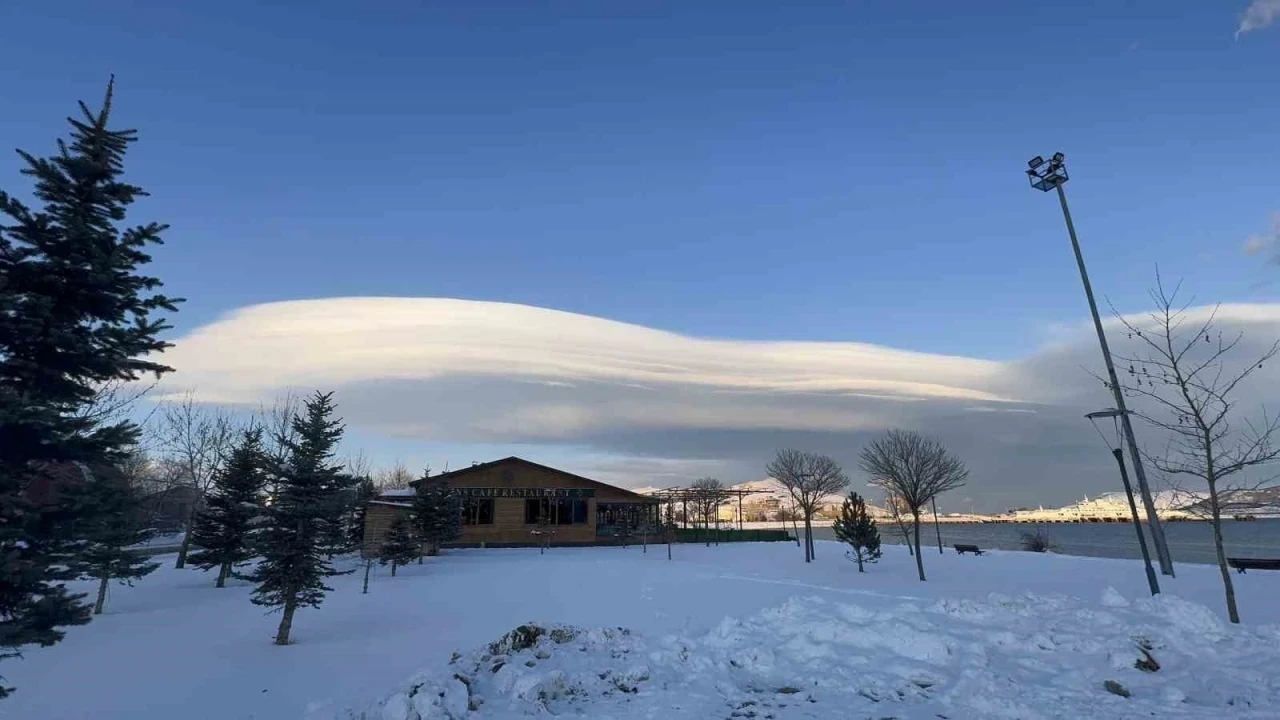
75, 314
855, 528
400, 544
113, 520
437, 512
365, 492
296, 535
235, 505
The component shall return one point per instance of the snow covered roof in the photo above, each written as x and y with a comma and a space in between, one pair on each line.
398, 492
392, 504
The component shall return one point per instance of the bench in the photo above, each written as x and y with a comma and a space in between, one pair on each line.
962, 549
1242, 564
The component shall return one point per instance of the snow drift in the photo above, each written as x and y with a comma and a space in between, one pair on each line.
1031, 656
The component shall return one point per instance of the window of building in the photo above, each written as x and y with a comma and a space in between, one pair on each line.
557, 511
477, 511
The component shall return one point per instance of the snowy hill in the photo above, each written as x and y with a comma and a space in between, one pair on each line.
771, 488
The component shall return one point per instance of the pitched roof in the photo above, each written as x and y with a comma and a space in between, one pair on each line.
530, 463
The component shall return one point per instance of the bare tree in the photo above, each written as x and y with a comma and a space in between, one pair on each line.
276, 420
915, 469
396, 477
808, 478
358, 465
114, 400
196, 438
707, 494
897, 510
1184, 372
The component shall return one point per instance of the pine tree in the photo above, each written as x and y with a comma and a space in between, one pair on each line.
294, 540
437, 512
227, 523
400, 544
75, 313
856, 529
114, 521
365, 491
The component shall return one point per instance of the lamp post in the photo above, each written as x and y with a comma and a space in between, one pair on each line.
1051, 174
1152, 582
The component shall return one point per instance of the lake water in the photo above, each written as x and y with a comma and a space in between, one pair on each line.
1189, 542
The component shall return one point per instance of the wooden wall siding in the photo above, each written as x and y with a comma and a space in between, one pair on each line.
508, 513
377, 520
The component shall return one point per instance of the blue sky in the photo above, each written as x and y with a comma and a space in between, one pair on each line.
822, 172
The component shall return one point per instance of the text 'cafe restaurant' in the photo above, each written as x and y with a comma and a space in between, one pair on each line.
504, 502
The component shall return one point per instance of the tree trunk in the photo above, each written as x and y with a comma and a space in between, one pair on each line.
813, 546
223, 571
433, 548
1227, 585
105, 578
286, 623
919, 560
367, 564
186, 538
808, 538
393, 568
858, 555
937, 528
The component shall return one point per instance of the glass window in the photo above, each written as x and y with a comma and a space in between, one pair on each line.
556, 511
564, 511
477, 511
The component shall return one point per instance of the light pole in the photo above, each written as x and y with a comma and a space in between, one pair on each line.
1046, 175
1152, 582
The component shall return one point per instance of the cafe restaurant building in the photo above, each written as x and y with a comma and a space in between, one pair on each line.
513, 502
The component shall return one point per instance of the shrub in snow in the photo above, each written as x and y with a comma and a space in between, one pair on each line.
1037, 541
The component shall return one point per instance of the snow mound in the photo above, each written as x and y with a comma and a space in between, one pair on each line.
1112, 598
1031, 656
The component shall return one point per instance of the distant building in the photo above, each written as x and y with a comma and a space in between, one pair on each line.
169, 509
507, 502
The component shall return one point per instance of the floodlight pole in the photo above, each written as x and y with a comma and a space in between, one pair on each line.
1153, 520
1152, 581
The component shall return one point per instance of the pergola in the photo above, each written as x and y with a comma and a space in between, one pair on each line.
684, 495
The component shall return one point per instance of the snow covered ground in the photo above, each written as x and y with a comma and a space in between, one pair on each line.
736, 631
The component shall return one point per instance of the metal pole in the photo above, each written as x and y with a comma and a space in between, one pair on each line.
1152, 581
936, 529
1153, 520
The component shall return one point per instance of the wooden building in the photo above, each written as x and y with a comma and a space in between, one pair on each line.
514, 502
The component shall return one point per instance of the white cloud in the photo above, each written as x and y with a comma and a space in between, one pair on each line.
254, 352
1255, 244
647, 406
1259, 15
